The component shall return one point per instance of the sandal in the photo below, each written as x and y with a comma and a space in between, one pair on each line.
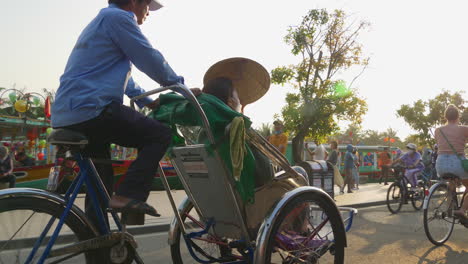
137, 207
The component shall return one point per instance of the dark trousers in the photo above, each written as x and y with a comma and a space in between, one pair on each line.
384, 173
126, 127
10, 178
348, 180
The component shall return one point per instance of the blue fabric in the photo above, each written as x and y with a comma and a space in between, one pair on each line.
349, 157
98, 69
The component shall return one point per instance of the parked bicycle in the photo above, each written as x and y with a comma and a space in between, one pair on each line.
290, 222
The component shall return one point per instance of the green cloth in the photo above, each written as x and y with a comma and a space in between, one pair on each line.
237, 146
176, 110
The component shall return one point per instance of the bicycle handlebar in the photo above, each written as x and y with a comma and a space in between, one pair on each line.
187, 94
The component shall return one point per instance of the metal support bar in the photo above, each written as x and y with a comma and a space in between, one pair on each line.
171, 199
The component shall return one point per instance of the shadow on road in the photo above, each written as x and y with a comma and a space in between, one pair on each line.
443, 254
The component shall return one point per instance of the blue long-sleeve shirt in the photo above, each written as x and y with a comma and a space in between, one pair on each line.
98, 69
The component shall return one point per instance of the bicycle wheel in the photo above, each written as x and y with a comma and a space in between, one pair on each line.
438, 216
204, 247
309, 229
395, 196
417, 197
23, 220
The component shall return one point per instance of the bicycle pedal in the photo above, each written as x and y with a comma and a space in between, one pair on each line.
133, 218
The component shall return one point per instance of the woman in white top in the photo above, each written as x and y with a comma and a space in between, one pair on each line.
447, 161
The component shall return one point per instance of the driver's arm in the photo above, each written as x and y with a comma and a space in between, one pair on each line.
133, 89
126, 34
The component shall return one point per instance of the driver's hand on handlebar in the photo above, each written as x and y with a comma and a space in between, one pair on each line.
155, 103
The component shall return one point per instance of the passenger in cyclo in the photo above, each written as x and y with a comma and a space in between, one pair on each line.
6, 167
90, 99
451, 140
229, 86
413, 163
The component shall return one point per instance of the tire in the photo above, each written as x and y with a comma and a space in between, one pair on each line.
178, 257
28, 216
395, 195
438, 220
417, 199
328, 247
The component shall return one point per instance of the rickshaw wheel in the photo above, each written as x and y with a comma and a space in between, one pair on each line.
293, 240
213, 250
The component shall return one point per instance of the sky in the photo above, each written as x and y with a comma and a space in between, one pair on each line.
417, 48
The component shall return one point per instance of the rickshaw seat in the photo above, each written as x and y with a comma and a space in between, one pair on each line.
202, 176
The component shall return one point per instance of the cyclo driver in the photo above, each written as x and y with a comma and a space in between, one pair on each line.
90, 99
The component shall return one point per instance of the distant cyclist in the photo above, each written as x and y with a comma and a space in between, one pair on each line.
413, 163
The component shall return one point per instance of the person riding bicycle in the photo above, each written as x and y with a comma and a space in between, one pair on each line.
413, 163
90, 99
451, 140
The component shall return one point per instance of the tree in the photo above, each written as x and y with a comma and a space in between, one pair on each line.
425, 116
327, 44
265, 130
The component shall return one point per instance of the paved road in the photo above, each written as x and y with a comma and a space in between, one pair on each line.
376, 237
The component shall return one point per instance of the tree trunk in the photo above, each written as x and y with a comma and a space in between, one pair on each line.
298, 148
298, 142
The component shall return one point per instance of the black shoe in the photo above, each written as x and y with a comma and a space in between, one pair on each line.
135, 207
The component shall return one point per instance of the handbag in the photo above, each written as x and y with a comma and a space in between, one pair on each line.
464, 162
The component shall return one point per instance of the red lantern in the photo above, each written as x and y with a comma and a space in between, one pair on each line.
47, 111
392, 140
385, 139
40, 156
368, 153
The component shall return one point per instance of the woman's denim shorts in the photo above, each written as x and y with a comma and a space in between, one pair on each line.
450, 163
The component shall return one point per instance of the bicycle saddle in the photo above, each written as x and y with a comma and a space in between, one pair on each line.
64, 136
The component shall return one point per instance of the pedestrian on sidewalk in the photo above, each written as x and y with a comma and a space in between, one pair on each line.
349, 164
356, 169
6, 167
333, 160
384, 163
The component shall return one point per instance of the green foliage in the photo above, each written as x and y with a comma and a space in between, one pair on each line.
425, 116
265, 130
326, 44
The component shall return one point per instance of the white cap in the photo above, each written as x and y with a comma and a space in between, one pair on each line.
154, 5
411, 146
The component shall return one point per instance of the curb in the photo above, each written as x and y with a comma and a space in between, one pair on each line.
165, 227
364, 205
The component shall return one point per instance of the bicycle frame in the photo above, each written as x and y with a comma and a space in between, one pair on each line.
88, 176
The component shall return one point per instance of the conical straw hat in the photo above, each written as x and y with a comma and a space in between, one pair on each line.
250, 79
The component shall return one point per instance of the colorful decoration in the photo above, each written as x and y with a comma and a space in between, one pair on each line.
36, 101
368, 153
392, 140
12, 97
42, 143
40, 156
112, 145
49, 130
385, 139
21, 106
47, 107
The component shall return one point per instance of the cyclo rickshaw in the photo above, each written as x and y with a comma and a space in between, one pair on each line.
289, 222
